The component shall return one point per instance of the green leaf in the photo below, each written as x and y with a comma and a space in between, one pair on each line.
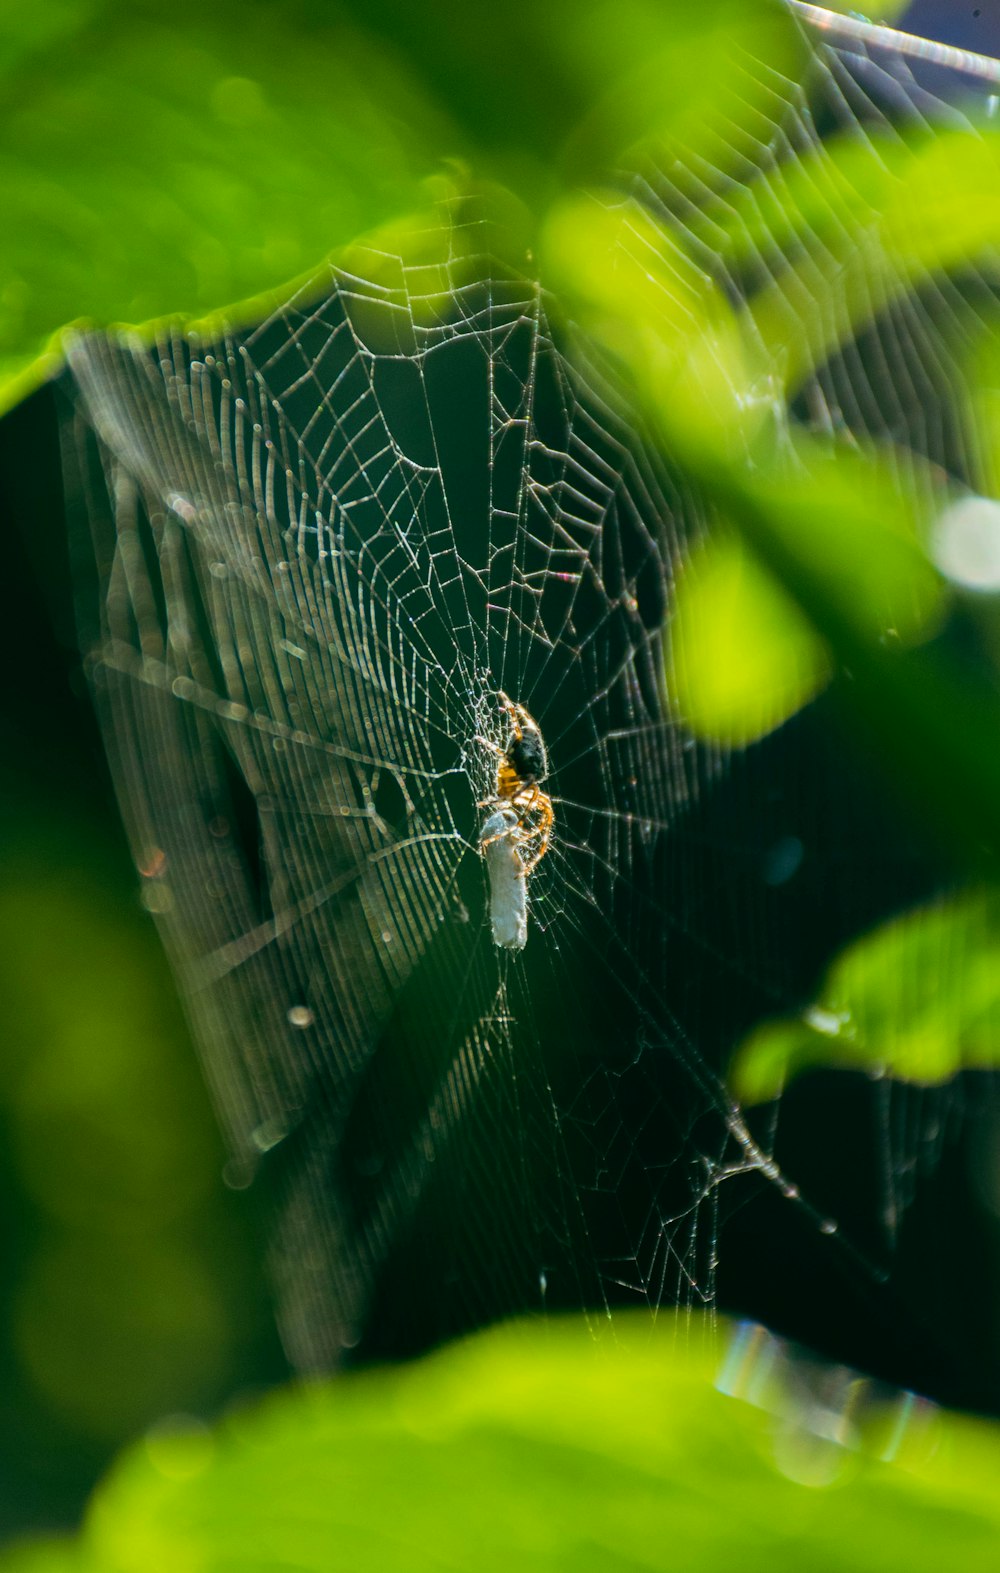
855, 530
49, 1555
887, 11
933, 716
573, 84
163, 158
872, 222
742, 655
742, 658
117, 1304
542, 1448
917, 999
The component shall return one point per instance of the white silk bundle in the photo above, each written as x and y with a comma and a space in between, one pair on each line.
508, 886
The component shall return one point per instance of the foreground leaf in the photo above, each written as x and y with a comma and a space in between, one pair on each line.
917, 999
539, 1448
173, 159
742, 657
161, 159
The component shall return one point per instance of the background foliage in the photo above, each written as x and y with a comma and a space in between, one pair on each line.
158, 160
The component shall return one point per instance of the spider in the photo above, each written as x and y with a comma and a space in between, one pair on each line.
523, 764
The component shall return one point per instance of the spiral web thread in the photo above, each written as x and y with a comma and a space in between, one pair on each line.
322, 549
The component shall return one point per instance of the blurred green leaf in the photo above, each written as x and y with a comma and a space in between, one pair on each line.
161, 159
845, 230
917, 999
573, 84
837, 533
173, 158
539, 1448
742, 658
631, 282
49, 1555
887, 11
102, 1129
835, 529
854, 530
865, 222
934, 717
117, 1303
978, 398
111, 1333
849, 227
674, 78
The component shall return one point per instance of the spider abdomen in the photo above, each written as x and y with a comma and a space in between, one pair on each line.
526, 756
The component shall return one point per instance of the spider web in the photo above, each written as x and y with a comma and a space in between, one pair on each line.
321, 551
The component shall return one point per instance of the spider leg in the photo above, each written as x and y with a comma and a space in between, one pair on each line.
513, 832
516, 713
521, 805
543, 830
530, 800
525, 802
499, 835
526, 798
522, 719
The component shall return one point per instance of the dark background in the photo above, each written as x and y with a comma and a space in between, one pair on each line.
975, 26
130, 1284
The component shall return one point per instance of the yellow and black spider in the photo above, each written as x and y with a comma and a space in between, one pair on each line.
523, 765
